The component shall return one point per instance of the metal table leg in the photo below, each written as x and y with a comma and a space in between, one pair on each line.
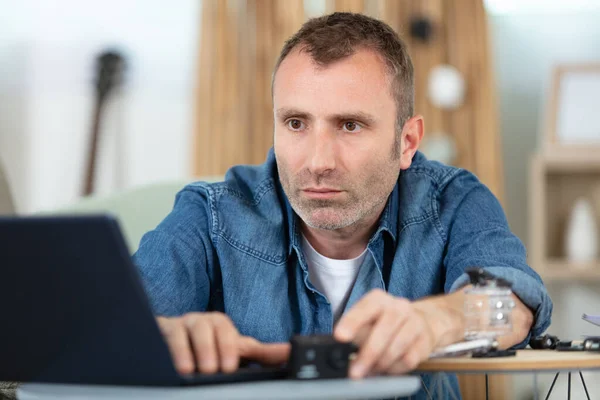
487, 388
552, 386
584, 387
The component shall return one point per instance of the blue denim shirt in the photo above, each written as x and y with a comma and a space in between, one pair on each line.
235, 247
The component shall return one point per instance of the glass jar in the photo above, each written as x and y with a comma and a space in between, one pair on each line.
488, 307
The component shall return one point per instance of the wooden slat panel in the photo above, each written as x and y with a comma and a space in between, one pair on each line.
488, 146
203, 142
420, 52
226, 78
436, 119
425, 56
392, 14
241, 40
373, 8
242, 126
263, 40
357, 6
460, 32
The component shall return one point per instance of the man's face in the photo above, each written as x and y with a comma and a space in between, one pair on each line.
334, 138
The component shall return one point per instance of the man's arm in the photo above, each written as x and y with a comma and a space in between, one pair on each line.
174, 259
476, 233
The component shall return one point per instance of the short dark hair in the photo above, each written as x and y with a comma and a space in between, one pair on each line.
339, 35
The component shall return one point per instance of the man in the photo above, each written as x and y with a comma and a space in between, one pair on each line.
345, 229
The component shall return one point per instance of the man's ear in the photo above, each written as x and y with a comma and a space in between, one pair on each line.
412, 134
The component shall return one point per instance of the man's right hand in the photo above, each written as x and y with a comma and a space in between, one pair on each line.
209, 343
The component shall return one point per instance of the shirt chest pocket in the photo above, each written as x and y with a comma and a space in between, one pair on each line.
255, 294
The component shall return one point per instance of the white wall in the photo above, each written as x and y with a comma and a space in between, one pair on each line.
526, 46
47, 53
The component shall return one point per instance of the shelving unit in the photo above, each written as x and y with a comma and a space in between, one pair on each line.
557, 178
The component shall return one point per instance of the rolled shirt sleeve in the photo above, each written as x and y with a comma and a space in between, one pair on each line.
478, 234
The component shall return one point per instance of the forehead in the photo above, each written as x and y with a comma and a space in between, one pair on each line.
358, 81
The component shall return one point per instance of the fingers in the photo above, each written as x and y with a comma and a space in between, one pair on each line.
363, 313
418, 352
227, 338
209, 342
393, 335
266, 353
179, 346
398, 347
202, 337
376, 344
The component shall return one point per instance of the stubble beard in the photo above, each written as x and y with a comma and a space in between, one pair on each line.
356, 205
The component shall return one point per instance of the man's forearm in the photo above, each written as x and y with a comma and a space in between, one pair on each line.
446, 316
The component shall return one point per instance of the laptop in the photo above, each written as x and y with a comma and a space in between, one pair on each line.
73, 309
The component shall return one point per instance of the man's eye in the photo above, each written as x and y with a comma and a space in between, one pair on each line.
351, 126
295, 124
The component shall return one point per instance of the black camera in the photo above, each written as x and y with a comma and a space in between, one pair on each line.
544, 342
319, 357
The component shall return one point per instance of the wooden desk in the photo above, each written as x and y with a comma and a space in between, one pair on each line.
525, 361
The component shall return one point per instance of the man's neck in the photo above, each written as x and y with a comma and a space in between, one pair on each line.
345, 243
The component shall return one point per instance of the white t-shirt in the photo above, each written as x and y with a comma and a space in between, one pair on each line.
333, 278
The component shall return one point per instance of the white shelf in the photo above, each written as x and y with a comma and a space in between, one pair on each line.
560, 270
580, 160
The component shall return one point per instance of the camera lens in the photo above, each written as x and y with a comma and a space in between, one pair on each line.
337, 358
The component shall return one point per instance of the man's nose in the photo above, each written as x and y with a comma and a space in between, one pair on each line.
322, 160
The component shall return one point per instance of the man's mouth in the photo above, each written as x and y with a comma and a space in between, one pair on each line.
321, 193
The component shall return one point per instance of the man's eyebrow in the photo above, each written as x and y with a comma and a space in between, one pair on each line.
358, 116
285, 113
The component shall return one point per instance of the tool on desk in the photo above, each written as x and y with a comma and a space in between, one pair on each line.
488, 311
570, 345
592, 344
319, 357
543, 342
550, 342
466, 347
495, 353
488, 305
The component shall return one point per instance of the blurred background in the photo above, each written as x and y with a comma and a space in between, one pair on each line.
99, 100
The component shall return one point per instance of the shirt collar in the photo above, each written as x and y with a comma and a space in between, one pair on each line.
294, 227
389, 217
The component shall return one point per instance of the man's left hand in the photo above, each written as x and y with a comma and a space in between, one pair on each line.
393, 334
